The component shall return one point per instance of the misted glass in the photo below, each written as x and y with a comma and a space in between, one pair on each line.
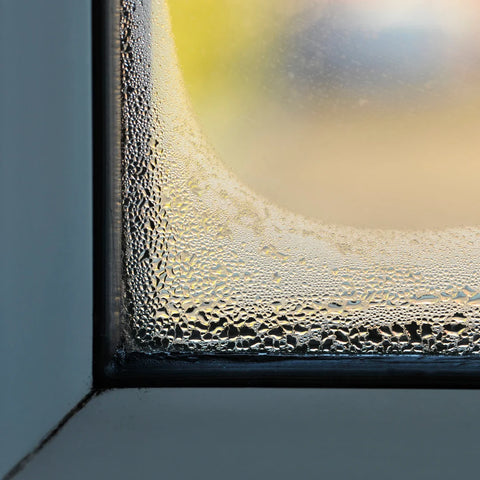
300, 176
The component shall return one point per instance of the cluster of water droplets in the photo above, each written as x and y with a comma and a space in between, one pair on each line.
209, 266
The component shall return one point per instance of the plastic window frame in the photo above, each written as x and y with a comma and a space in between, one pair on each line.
111, 368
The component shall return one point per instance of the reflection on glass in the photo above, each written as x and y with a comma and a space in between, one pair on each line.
357, 115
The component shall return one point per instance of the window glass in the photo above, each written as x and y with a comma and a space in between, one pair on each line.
299, 177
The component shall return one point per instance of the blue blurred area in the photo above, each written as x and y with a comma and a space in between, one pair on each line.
330, 54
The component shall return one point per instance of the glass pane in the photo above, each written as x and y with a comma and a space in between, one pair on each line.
299, 177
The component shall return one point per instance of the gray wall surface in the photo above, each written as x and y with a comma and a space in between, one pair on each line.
45, 202
45, 318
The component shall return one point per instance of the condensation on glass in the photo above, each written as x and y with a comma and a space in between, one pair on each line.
212, 265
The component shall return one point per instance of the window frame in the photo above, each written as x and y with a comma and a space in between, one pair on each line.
114, 368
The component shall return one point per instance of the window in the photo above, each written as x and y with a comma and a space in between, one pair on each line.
246, 274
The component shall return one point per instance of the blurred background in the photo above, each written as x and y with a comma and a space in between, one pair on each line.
359, 113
